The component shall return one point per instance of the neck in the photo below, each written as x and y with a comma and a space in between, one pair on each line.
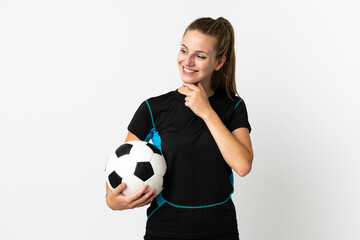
208, 90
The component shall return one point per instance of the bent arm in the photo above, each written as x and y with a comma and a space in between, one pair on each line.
235, 147
131, 137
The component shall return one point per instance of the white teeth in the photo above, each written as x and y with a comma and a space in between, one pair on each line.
188, 70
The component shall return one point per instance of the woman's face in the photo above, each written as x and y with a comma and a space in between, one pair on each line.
197, 58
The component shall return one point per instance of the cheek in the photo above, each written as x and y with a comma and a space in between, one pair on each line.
180, 58
203, 66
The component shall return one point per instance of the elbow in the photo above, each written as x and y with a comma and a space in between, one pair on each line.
243, 170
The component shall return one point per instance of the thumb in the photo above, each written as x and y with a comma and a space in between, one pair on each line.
199, 84
119, 188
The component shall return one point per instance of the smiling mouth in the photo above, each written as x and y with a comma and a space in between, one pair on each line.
187, 70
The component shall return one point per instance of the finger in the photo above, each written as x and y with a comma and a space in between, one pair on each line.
138, 194
119, 188
150, 200
187, 91
199, 85
144, 198
191, 86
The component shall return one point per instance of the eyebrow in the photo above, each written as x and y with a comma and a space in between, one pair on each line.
196, 50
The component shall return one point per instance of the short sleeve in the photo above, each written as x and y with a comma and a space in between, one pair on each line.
141, 123
239, 117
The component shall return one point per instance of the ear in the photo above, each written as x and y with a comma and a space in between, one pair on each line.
220, 63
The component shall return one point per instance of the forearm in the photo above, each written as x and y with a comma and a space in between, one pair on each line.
234, 153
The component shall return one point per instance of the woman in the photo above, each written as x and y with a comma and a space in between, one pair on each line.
203, 131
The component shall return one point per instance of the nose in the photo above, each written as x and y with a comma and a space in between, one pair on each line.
189, 61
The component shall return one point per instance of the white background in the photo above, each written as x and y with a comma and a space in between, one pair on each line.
74, 72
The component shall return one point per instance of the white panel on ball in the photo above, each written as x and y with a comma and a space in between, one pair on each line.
155, 182
125, 166
133, 184
139, 153
159, 165
110, 164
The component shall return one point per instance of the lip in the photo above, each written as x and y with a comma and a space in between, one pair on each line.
187, 73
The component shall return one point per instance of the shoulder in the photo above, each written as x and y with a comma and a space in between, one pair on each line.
161, 97
234, 101
239, 102
160, 102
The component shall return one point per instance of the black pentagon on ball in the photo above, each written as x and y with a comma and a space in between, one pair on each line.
114, 179
123, 149
144, 170
155, 149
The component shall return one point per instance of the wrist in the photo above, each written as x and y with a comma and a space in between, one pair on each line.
208, 114
107, 199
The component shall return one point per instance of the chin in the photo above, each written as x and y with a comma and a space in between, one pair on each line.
190, 82
187, 80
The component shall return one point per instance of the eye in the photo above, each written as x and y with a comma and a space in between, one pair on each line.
182, 50
202, 57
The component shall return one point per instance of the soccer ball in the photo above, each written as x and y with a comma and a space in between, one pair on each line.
136, 163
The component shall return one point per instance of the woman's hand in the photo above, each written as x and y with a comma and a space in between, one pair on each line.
197, 100
116, 200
